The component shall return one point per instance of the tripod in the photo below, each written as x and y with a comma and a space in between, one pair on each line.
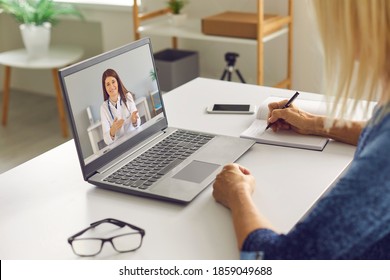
230, 67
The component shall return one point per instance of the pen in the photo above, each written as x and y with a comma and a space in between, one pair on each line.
285, 106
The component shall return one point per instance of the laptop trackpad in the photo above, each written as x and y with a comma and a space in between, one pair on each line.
196, 171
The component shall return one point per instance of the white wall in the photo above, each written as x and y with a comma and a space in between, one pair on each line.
86, 34
308, 64
108, 29
1, 31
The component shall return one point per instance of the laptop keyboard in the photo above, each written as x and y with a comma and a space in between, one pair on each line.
154, 163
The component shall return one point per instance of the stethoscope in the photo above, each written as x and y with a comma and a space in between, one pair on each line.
109, 109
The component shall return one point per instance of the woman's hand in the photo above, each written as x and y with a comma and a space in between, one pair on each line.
233, 188
116, 125
291, 118
232, 182
305, 123
134, 118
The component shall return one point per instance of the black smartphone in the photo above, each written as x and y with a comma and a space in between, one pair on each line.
231, 109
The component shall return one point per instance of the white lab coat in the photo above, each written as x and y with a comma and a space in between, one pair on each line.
108, 113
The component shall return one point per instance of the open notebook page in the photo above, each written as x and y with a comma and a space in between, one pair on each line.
288, 138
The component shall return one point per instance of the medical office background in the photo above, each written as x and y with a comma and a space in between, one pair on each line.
109, 26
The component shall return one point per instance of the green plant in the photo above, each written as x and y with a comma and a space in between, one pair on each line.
38, 12
152, 75
176, 5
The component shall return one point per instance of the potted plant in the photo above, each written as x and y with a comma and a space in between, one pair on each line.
153, 75
176, 6
36, 18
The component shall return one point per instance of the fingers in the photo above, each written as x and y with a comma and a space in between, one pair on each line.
244, 170
277, 114
272, 107
234, 167
233, 179
276, 105
282, 118
275, 119
231, 167
134, 116
118, 123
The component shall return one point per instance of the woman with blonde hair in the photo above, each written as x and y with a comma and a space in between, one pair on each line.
353, 220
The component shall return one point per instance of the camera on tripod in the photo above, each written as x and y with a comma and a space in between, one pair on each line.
230, 58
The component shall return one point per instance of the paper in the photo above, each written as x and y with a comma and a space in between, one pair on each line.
288, 138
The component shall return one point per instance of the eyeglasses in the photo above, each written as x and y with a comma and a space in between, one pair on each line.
91, 246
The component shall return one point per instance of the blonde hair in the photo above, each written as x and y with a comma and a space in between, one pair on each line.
356, 45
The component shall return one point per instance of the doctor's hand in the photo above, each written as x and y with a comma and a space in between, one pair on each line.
231, 183
134, 118
291, 118
116, 125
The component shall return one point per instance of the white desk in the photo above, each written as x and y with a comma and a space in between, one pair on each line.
45, 200
57, 57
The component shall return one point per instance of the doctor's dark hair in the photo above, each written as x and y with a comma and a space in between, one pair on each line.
121, 88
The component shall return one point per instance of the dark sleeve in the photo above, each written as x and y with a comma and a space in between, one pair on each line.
348, 222
260, 241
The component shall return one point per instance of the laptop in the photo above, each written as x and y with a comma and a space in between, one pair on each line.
144, 156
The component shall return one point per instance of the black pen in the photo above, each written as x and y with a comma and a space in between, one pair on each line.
285, 106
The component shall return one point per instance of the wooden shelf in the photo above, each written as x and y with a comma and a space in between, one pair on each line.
191, 29
271, 27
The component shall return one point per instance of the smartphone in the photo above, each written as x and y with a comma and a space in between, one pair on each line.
231, 109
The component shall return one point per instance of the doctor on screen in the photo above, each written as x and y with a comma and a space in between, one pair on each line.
118, 112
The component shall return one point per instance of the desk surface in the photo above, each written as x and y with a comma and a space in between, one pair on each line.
57, 57
45, 200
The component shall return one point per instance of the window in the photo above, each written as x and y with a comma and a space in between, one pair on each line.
101, 2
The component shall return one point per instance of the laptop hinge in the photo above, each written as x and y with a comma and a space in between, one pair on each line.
130, 153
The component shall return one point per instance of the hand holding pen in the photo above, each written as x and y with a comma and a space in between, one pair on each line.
289, 102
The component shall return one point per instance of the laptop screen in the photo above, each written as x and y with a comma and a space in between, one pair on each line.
113, 100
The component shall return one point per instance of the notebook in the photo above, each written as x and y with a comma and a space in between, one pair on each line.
288, 138
122, 139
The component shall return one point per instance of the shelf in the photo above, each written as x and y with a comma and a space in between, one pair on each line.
191, 29
269, 28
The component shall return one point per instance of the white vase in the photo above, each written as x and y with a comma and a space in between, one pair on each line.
36, 39
178, 19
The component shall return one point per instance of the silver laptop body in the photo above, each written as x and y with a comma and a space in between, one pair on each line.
105, 165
